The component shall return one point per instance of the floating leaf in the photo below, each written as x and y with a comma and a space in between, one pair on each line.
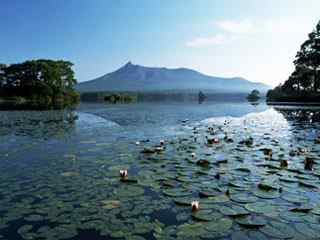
278, 229
206, 215
220, 225
251, 221
233, 210
243, 198
295, 198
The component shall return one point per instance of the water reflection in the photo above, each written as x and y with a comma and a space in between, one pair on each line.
302, 115
254, 103
43, 124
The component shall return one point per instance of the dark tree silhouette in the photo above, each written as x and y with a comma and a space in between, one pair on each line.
254, 95
304, 83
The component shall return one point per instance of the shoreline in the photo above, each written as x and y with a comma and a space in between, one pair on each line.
274, 103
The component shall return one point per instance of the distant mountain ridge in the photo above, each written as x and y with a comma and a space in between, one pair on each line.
133, 77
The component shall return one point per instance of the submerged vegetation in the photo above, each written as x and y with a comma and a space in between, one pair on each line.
303, 84
37, 84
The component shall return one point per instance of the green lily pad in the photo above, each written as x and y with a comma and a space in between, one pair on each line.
263, 208
110, 204
293, 216
183, 201
248, 235
268, 185
278, 229
251, 221
295, 198
221, 198
219, 226
206, 215
127, 191
306, 230
233, 210
266, 194
176, 193
243, 198
316, 210
190, 230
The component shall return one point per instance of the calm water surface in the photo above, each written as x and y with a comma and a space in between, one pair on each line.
60, 172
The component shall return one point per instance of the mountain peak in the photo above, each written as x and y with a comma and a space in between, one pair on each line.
133, 77
128, 64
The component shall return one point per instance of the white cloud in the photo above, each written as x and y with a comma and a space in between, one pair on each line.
207, 41
237, 27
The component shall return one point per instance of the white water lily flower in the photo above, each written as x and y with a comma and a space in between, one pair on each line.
123, 173
195, 205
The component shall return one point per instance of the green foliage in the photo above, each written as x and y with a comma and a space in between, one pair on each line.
254, 95
41, 82
304, 83
120, 97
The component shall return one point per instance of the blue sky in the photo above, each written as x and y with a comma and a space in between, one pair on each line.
249, 38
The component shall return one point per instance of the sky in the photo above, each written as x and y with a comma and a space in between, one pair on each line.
253, 39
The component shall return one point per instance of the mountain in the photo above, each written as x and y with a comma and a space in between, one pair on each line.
132, 77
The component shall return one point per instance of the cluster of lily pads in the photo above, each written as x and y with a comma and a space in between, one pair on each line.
144, 189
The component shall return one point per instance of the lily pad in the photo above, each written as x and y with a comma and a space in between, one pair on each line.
295, 198
233, 210
110, 204
176, 192
263, 208
219, 226
306, 230
266, 194
251, 221
278, 229
206, 215
127, 191
243, 198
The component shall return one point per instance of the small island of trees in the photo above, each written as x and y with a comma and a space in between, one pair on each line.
254, 95
37, 84
303, 85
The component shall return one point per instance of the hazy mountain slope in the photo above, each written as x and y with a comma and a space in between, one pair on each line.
139, 78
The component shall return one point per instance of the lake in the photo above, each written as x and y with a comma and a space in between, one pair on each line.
60, 172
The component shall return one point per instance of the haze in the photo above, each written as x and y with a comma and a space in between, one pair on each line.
256, 40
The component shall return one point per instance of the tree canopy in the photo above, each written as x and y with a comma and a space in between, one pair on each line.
44, 79
305, 79
254, 95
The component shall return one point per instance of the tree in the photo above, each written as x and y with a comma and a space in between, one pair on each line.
308, 58
304, 82
254, 95
2, 76
44, 79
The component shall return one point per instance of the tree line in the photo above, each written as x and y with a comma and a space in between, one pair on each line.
42, 82
304, 82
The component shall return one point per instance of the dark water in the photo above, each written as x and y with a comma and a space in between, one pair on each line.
60, 172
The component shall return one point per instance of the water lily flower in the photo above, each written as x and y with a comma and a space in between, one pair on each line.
193, 155
159, 149
123, 173
195, 205
212, 140
162, 142
137, 143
